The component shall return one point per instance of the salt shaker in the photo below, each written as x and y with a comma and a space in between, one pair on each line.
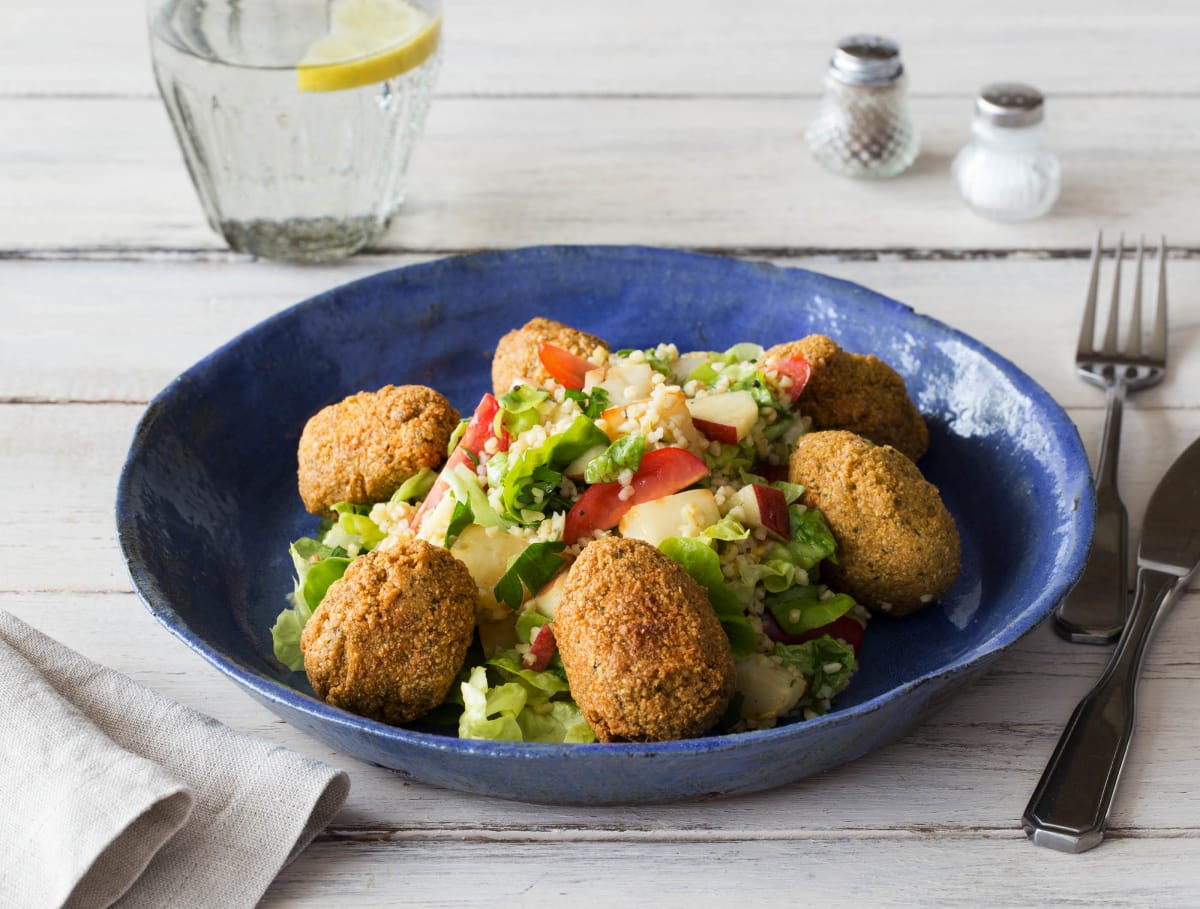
864, 128
1004, 172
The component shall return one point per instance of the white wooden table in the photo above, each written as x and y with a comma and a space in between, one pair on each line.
677, 123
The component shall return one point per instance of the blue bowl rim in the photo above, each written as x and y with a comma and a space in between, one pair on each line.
292, 699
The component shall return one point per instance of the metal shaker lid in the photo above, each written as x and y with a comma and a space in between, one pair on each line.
866, 60
1010, 104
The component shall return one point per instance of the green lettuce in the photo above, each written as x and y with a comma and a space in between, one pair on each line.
519, 410
536, 565
417, 486
812, 659
529, 490
524, 705
801, 608
317, 567
353, 530
592, 403
623, 454
704, 565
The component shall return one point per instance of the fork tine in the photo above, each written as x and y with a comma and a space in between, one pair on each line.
1087, 328
1110, 333
1133, 345
1158, 334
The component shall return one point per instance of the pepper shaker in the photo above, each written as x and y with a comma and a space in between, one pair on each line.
863, 128
1004, 172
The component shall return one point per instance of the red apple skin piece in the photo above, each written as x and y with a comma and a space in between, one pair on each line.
773, 510
480, 429
541, 648
718, 432
844, 628
772, 473
564, 367
663, 471
797, 369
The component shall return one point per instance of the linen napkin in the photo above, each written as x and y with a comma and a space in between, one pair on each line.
110, 792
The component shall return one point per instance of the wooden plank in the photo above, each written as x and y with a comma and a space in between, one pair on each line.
683, 47
922, 868
63, 341
700, 173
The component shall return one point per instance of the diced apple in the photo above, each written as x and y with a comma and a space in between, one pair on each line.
497, 634
487, 556
768, 689
726, 417
546, 601
684, 514
624, 382
671, 412
541, 648
762, 506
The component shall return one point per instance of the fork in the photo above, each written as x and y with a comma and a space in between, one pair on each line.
1094, 611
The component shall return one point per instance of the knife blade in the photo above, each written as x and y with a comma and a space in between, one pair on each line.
1069, 808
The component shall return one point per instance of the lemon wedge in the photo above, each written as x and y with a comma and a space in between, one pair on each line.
369, 41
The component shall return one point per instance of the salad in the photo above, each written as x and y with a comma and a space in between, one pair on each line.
687, 452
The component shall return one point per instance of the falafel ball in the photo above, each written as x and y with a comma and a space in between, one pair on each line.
857, 392
365, 446
898, 547
646, 657
390, 636
516, 359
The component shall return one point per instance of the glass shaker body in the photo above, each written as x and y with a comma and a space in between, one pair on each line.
1005, 172
864, 128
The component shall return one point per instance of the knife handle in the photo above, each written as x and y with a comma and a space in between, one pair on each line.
1095, 610
1070, 806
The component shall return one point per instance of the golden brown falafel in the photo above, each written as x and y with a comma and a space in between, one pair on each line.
857, 392
646, 657
516, 359
365, 446
390, 636
898, 548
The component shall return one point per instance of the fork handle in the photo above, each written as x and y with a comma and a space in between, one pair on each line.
1095, 610
1069, 808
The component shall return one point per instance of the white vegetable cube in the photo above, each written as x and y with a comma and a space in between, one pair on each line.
624, 382
727, 416
761, 506
487, 555
666, 409
684, 514
546, 601
768, 688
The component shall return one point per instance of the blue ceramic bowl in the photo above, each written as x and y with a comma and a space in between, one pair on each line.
207, 501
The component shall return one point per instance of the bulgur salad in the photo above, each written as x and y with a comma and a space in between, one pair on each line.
691, 453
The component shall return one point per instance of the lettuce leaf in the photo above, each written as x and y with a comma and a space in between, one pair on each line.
518, 410
801, 608
704, 565
813, 659
317, 567
623, 454
530, 487
353, 530
417, 486
536, 565
528, 706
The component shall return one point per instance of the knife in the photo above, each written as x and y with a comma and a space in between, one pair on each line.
1069, 807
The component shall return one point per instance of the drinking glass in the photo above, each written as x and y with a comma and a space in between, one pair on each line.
297, 118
